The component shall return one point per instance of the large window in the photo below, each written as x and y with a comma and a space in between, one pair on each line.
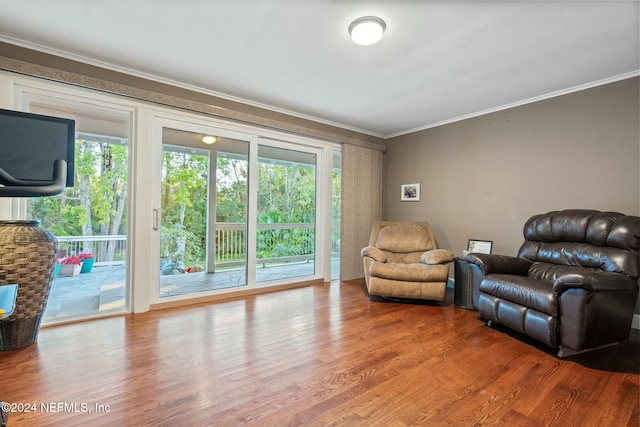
90, 219
286, 229
204, 213
239, 211
163, 214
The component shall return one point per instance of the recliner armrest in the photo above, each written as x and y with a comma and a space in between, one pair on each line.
594, 281
437, 256
596, 308
374, 253
499, 264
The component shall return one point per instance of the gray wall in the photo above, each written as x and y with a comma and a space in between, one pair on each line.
483, 177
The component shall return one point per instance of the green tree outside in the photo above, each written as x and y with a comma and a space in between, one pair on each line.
97, 204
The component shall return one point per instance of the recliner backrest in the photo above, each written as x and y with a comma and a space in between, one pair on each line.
402, 242
607, 241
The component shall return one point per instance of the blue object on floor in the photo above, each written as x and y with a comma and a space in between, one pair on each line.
8, 295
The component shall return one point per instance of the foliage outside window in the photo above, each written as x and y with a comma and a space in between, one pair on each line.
97, 204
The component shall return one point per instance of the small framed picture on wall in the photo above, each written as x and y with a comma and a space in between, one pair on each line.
410, 192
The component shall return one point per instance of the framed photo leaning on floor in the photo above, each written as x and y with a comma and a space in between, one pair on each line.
479, 246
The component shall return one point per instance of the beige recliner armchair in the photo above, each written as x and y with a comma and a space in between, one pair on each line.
403, 261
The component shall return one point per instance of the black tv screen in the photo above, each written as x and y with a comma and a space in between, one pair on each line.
30, 144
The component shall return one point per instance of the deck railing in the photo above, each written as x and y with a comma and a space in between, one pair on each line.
106, 250
275, 243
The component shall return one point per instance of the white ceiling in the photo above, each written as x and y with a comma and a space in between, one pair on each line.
439, 61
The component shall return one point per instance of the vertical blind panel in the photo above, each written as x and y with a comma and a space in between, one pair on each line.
361, 205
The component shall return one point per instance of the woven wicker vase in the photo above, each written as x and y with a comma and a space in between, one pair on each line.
27, 257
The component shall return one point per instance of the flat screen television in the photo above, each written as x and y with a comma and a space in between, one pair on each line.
36, 154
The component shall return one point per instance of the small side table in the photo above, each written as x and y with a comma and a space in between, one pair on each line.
463, 291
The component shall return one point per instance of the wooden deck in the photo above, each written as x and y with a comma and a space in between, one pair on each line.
319, 355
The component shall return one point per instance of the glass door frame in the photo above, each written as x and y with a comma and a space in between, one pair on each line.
321, 200
254, 136
27, 91
208, 128
142, 241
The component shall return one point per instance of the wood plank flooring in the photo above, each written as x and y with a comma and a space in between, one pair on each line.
319, 355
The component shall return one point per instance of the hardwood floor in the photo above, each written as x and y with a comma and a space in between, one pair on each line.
320, 355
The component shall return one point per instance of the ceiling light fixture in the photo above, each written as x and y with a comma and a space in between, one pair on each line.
367, 30
207, 139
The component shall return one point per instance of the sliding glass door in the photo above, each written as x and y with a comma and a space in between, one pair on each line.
286, 228
236, 210
204, 193
90, 219
171, 205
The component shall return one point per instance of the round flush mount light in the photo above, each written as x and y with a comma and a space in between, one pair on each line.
207, 139
367, 30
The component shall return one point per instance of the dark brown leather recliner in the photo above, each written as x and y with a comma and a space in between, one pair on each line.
573, 285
